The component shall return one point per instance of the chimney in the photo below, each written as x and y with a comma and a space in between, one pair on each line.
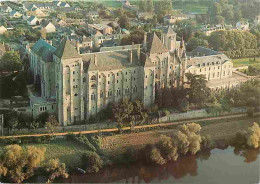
138, 51
145, 41
77, 46
131, 56
95, 59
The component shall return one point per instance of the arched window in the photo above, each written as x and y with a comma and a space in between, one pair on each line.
84, 79
93, 77
76, 94
93, 86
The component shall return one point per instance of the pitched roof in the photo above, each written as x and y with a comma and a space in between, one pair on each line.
13, 12
44, 49
66, 50
202, 51
155, 45
31, 18
107, 61
169, 30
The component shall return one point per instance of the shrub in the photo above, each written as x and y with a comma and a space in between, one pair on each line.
84, 140
207, 142
240, 138
253, 136
156, 157
95, 140
91, 161
130, 155
167, 149
188, 138
55, 169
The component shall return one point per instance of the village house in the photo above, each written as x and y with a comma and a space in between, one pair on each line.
32, 21
2, 30
15, 14
102, 28
3, 49
93, 15
6, 9
171, 19
242, 25
257, 20
48, 27
36, 12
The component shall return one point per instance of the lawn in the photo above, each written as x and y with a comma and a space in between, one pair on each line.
217, 129
68, 152
245, 61
191, 8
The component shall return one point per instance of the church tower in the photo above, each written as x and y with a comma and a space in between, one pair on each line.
69, 69
169, 39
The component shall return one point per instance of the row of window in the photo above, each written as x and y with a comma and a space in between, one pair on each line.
44, 108
110, 93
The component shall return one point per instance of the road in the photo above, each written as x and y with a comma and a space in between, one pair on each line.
128, 128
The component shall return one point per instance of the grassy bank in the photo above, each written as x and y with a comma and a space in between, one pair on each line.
218, 129
245, 61
69, 152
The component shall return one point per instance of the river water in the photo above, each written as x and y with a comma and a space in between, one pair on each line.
213, 167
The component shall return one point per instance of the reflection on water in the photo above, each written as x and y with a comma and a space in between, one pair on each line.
215, 166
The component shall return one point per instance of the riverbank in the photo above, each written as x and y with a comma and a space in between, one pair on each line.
221, 131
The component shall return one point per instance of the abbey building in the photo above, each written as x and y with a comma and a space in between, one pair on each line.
76, 86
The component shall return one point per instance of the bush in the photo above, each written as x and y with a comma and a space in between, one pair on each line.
207, 142
253, 136
84, 140
91, 161
95, 140
240, 139
188, 138
167, 149
156, 157
130, 155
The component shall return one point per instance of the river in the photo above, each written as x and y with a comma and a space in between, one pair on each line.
212, 167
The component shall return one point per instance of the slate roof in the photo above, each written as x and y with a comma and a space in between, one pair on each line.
169, 30
202, 51
155, 45
66, 50
212, 60
13, 12
31, 18
107, 61
44, 49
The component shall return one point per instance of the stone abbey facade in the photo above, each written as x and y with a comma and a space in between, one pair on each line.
77, 86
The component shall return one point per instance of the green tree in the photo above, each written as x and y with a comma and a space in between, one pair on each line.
137, 36
194, 42
167, 149
156, 157
198, 90
91, 161
124, 22
253, 136
150, 5
52, 124
143, 5
123, 113
219, 19
10, 62
188, 138
18, 164
55, 169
